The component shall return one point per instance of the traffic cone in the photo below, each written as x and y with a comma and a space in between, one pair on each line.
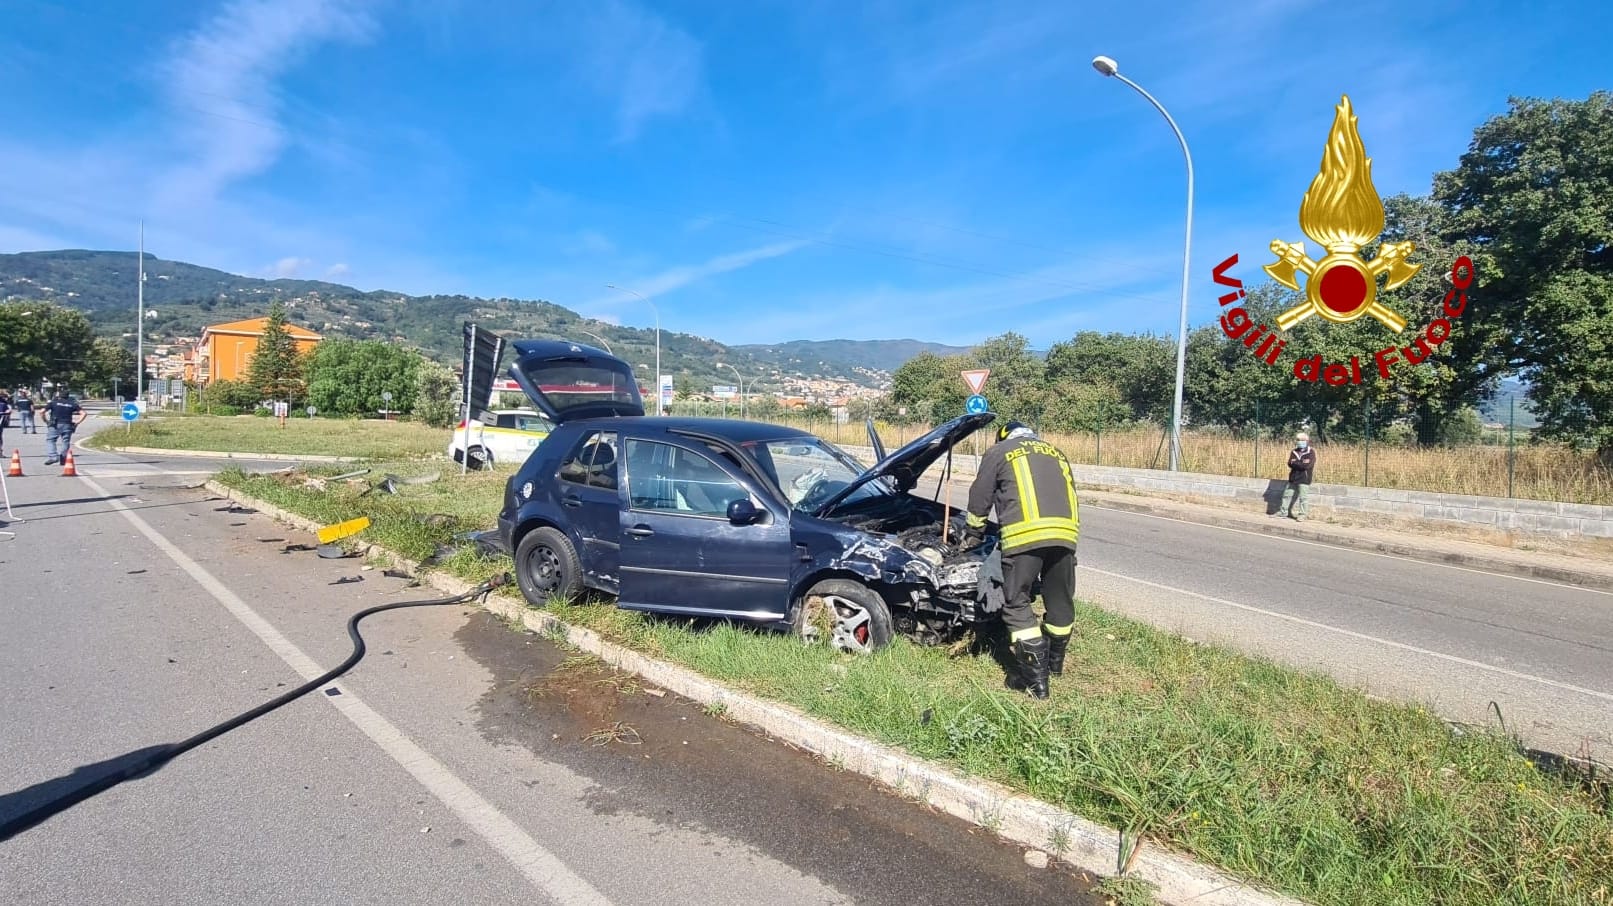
67, 465
16, 465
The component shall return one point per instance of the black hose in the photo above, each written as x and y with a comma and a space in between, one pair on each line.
162, 754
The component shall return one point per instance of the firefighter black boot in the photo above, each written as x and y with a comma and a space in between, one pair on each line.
1032, 657
1056, 646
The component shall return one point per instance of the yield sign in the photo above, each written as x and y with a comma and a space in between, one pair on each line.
976, 379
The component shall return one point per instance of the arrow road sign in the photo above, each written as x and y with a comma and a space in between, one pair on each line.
130, 412
976, 379
976, 405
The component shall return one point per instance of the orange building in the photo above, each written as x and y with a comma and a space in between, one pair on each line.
224, 352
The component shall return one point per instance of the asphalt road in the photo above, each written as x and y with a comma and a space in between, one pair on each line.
459, 762
1454, 638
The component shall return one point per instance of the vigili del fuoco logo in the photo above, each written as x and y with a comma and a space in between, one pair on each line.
1341, 212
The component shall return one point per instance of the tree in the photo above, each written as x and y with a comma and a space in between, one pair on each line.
276, 370
347, 377
1141, 370
41, 340
435, 389
1531, 197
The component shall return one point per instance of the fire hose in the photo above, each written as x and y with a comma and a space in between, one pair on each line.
161, 755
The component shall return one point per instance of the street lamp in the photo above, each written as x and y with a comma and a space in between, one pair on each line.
741, 386
597, 337
1108, 67
658, 410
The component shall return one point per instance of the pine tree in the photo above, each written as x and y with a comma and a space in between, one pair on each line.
276, 370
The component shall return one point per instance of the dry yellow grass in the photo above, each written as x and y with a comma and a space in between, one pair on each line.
1539, 471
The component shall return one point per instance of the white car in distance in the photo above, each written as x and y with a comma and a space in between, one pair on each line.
499, 436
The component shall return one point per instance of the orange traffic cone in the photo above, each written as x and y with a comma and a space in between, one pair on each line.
67, 465
16, 465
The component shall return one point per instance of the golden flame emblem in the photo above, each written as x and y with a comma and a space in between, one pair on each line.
1342, 212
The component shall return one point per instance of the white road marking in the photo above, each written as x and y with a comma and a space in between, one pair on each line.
1353, 550
545, 870
1606, 696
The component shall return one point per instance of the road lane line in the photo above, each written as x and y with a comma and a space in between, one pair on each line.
1353, 550
544, 869
1606, 696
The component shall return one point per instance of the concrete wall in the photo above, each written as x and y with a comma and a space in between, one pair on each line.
1543, 517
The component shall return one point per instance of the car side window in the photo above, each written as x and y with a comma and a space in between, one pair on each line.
670, 479
592, 462
506, 421
531, 423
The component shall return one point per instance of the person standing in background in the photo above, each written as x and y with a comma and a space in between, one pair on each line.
1301, 467
25, 405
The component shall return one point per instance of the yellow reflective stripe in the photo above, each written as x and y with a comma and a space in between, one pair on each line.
1025, 635
1058, 630
1019, 541
1026, 489
1032, 525
1069, 485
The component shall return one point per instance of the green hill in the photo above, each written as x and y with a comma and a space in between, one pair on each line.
182, 298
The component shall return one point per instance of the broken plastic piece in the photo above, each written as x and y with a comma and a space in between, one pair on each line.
332, 551
342, 529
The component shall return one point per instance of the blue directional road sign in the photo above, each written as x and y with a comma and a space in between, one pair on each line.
130, 412
976, 404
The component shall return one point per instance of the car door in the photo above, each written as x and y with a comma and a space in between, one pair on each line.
681, 554
587, 483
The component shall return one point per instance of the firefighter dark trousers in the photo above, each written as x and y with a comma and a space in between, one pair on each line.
1055, 566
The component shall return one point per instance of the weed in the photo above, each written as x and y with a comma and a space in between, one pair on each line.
616, 732
715, 709
1126, 892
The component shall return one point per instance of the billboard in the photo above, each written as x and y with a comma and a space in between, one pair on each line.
483, 349
724, 392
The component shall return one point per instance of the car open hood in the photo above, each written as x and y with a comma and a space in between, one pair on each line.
568, 381
907, 464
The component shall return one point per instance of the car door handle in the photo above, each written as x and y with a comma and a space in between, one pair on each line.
571, 500
641, 531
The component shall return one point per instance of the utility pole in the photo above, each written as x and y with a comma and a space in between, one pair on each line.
140, 324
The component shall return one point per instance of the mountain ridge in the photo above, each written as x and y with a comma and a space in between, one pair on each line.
181, 298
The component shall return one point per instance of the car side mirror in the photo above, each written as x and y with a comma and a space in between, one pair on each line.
743, 512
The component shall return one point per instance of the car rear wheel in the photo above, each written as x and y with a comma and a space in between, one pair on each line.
480, 458
547, 568
846, 615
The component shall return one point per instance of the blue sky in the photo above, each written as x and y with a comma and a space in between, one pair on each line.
763, 170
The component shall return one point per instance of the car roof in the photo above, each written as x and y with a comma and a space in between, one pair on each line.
734, 430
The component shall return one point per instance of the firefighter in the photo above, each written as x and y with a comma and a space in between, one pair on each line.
1028, 481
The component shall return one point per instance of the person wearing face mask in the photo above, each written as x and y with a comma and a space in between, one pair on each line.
1301, 466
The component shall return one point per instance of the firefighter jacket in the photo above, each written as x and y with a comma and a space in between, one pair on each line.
1029, 483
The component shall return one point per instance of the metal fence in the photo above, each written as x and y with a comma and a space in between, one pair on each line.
1494, 457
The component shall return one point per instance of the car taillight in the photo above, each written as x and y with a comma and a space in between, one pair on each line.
461, 426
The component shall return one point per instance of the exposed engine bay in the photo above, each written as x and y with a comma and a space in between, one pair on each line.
956, 599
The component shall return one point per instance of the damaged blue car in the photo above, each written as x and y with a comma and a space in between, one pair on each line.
729, 519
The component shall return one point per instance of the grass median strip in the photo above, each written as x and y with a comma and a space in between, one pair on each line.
367, 439
1278, 776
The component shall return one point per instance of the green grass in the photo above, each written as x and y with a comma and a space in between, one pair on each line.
368, 439
1278, 776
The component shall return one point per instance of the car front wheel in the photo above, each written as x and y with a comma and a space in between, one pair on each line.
547, 568
845, 615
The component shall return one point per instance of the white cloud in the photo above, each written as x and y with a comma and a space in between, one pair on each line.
336, 271
220, 86
676, 278
288, 267
650, 66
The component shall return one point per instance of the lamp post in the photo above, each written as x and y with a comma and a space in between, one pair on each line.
658, 410
597, 337
741, 378
1108, 67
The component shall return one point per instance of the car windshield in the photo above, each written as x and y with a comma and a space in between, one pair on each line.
810, 471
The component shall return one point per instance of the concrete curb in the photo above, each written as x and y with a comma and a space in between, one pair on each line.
1020, 819
211, 454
